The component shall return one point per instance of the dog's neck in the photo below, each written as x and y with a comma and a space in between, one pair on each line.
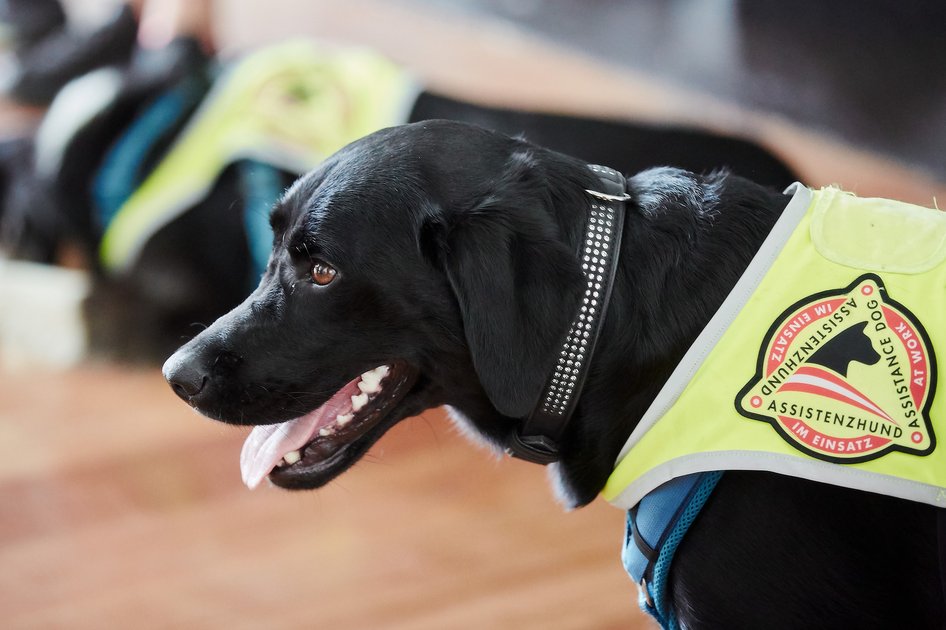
687, 239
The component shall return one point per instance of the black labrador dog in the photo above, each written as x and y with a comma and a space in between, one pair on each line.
434, 264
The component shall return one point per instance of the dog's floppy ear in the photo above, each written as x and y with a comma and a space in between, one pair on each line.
518, 286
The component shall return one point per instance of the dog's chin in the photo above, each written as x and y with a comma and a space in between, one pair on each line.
312, 450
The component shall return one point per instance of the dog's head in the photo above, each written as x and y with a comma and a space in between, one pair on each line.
423, 265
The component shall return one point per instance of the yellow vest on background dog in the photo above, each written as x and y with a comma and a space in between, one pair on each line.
819, 364
290, 105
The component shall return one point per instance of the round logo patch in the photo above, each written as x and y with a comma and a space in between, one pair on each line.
846, 376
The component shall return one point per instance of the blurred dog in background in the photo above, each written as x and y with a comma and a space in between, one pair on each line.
120, 115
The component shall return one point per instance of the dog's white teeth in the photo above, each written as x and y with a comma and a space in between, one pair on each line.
343, 419
325, 432
359, 401
292, 457
372, 379
369, 387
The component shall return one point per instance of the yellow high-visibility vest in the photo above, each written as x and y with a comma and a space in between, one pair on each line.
821, 363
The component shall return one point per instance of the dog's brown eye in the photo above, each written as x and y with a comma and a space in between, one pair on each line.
322, 273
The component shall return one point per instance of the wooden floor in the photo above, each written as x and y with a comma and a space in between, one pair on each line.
121, 508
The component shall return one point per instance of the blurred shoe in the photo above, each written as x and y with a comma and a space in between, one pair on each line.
29, 21
64, 55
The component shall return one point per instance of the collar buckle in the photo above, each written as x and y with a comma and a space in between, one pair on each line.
606, 197
538, 449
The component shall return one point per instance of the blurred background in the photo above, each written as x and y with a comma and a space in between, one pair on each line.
140, 146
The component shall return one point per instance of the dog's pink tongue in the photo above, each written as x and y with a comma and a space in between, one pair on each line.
267, 444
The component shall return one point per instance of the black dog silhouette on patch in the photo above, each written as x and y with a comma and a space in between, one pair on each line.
845, 347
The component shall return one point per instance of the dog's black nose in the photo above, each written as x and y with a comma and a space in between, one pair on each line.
186, 380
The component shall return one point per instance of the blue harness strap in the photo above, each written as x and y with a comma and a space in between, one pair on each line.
123, 167
261, 184
655, 527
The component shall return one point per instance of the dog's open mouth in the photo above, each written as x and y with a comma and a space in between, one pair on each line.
312, 445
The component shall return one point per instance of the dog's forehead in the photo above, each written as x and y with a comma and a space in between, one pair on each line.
396, 169
387, 184
346, 203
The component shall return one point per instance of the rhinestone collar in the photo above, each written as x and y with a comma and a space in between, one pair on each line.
538, 437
